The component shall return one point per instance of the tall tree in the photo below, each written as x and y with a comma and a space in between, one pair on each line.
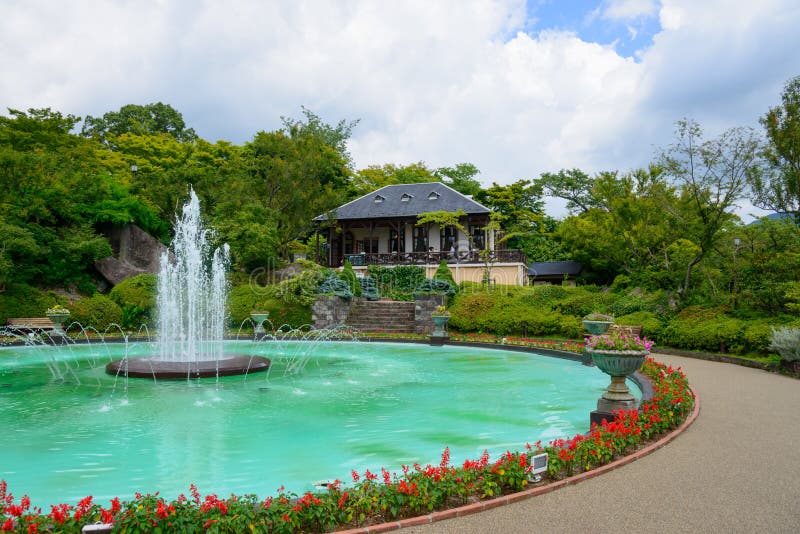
155, 118
377, 176
778, 189
461, 178
712, 176
573, 185
335, 137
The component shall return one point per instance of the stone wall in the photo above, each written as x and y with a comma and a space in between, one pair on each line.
424, 306
327, 312
136, 252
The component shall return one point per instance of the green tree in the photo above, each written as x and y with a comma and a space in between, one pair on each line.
377, 176
135, 119
461, 178
712, 176
778, 189
335, 137
573, 185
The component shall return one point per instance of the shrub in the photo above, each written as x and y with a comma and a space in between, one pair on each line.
649, 321
435, 286
466, 311
397, 282
136, 296
22, 300
349, 277
369, 289
547, 296
699, 328
333, 285
786, 342
301, 290
582, 302
98, 311
244, 299
443, 273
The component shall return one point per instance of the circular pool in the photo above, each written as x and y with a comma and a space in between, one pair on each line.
70, 430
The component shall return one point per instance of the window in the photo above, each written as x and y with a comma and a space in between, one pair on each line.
395, 244
370, 247
433, 195
420, 239
448, 238
406, 197
379, 199
478, 237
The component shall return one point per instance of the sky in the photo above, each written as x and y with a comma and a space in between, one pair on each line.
515, 87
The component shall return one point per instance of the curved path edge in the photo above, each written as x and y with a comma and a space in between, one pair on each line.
478, 507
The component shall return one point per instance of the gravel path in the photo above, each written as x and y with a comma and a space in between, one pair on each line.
736, 469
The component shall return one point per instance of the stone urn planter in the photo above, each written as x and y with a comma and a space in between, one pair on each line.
618, 364
440, 325
597, 327
59, 316
597, 323
258, 320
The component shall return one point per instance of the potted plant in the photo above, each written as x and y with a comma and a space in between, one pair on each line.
440, 317
258, 319
597, 323
58, 314
618, 355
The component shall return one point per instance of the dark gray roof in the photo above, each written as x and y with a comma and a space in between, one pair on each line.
554, 268
420, 198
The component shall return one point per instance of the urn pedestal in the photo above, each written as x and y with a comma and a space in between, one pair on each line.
58, 320
618, 364
258, 320
439, 335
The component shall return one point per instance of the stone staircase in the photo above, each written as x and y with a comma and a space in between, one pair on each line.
381, 316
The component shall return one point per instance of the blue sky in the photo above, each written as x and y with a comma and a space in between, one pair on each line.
515, 87
592, 22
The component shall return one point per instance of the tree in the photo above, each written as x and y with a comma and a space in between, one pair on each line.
574, 186
712, 176
155, 118
518, 208
778, 189
335, 137
461, 178
377, 176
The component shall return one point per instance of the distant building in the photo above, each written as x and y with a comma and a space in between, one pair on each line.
554, 272
380, 228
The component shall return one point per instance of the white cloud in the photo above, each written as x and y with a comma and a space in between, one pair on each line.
442, 82
629, 9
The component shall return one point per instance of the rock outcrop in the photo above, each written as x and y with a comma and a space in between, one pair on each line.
135, 252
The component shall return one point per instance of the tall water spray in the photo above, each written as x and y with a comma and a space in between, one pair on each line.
191, 292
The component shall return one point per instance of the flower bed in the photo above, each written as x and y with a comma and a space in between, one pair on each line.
374, 497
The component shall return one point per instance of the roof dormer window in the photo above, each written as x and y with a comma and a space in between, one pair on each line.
406, 197
379, 199
433, 195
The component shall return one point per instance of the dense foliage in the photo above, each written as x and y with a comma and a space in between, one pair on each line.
669, 229
557, 311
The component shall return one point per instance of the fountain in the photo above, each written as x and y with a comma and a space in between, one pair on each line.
191, 311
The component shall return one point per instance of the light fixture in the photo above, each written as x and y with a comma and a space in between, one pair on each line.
134, 169
538, 465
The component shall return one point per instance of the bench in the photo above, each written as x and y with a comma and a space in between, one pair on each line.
625, 329
31, 323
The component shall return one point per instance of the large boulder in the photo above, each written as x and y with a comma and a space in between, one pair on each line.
135, 252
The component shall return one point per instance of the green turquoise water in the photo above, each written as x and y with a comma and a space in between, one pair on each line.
69, 430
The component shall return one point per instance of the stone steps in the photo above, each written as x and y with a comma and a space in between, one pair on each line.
383, 316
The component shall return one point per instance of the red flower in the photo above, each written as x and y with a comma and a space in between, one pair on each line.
8, 525
356, 476
343, 500
116, 507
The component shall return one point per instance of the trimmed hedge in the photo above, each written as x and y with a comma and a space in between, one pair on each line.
22, 300
98, 311
136, 296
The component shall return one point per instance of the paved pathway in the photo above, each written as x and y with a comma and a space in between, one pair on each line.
736, 469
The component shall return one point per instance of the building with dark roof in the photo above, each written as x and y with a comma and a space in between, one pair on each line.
381, 228
553, 272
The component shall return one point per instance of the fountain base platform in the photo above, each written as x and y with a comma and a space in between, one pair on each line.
229, 364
